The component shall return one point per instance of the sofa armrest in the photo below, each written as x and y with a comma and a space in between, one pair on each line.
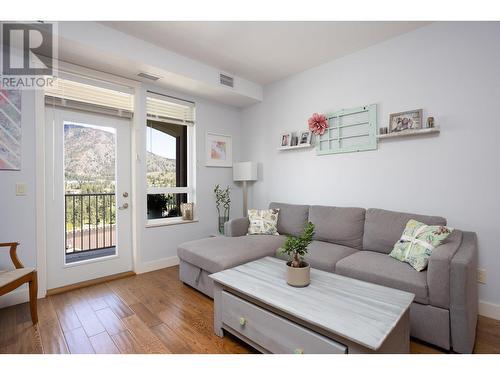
464, 294
236, 227
438, 270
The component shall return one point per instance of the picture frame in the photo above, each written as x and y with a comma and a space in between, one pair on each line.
408, 120
305, 137
10, 130
286, 139
218, 150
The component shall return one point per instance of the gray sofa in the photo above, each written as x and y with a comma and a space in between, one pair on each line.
355, 242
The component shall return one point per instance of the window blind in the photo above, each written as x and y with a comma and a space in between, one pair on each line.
168, 109
72, 94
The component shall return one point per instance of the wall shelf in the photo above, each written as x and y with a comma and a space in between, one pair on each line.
305, 145
409, 133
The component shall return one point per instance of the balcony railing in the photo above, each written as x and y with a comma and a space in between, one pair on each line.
90, 222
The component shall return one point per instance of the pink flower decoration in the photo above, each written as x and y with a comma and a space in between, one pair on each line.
318, 124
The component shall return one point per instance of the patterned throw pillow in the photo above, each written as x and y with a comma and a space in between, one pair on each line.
263, 221
417, 243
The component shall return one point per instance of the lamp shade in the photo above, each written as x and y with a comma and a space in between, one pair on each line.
245, 171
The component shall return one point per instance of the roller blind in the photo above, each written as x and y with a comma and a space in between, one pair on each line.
78, 95
168, 109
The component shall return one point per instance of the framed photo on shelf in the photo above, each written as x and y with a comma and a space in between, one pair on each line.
405, 121
286, 140
305, 137
219, 150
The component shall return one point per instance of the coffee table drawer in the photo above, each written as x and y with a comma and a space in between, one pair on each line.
272, 332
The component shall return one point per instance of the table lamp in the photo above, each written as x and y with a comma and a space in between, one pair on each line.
244, 172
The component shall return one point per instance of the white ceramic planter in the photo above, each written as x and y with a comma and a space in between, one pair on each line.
298, 277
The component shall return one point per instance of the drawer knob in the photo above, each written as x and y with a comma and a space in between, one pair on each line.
298, 351
243, 321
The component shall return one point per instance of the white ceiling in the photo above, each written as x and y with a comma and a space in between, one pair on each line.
264, 52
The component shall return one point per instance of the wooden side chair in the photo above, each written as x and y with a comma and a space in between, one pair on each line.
12, 279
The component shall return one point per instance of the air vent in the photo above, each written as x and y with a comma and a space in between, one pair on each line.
226, 80
148, 76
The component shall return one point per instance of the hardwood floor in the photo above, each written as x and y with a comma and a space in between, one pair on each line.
148, 313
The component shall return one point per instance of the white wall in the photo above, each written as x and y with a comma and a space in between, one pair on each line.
451, 70
17, 213
158, 245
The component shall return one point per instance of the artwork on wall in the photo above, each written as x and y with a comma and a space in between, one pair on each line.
349, 130
219, 150
318, 123
405, 121
10, 129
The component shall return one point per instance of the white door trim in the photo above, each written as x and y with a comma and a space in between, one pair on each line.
41, 254
138, 175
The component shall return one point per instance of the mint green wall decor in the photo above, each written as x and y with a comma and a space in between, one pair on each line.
350, 130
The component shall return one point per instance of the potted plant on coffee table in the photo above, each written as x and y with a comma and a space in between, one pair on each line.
298, 271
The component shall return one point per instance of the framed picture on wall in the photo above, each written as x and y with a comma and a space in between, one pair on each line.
10, 130
405, 121
219, 150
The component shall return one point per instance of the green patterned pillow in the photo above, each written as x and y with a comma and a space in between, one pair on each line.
263, 221
417, 243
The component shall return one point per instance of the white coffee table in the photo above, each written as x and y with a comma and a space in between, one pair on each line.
334, 314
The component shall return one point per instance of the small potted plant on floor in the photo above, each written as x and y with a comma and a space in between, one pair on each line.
298, 271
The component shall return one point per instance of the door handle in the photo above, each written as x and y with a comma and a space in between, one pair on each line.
124, 206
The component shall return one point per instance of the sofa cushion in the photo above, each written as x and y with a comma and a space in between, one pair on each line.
292, 218
219, 253
383, 228
381, 269
323, 255
263, 221
340, 225
418, 242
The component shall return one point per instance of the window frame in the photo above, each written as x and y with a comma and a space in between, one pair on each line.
190, 189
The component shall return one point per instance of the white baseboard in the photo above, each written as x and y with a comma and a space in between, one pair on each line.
490, 310
15, 297
157, 264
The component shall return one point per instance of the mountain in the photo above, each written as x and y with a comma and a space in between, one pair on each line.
161, 171
157, 163
89, 155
